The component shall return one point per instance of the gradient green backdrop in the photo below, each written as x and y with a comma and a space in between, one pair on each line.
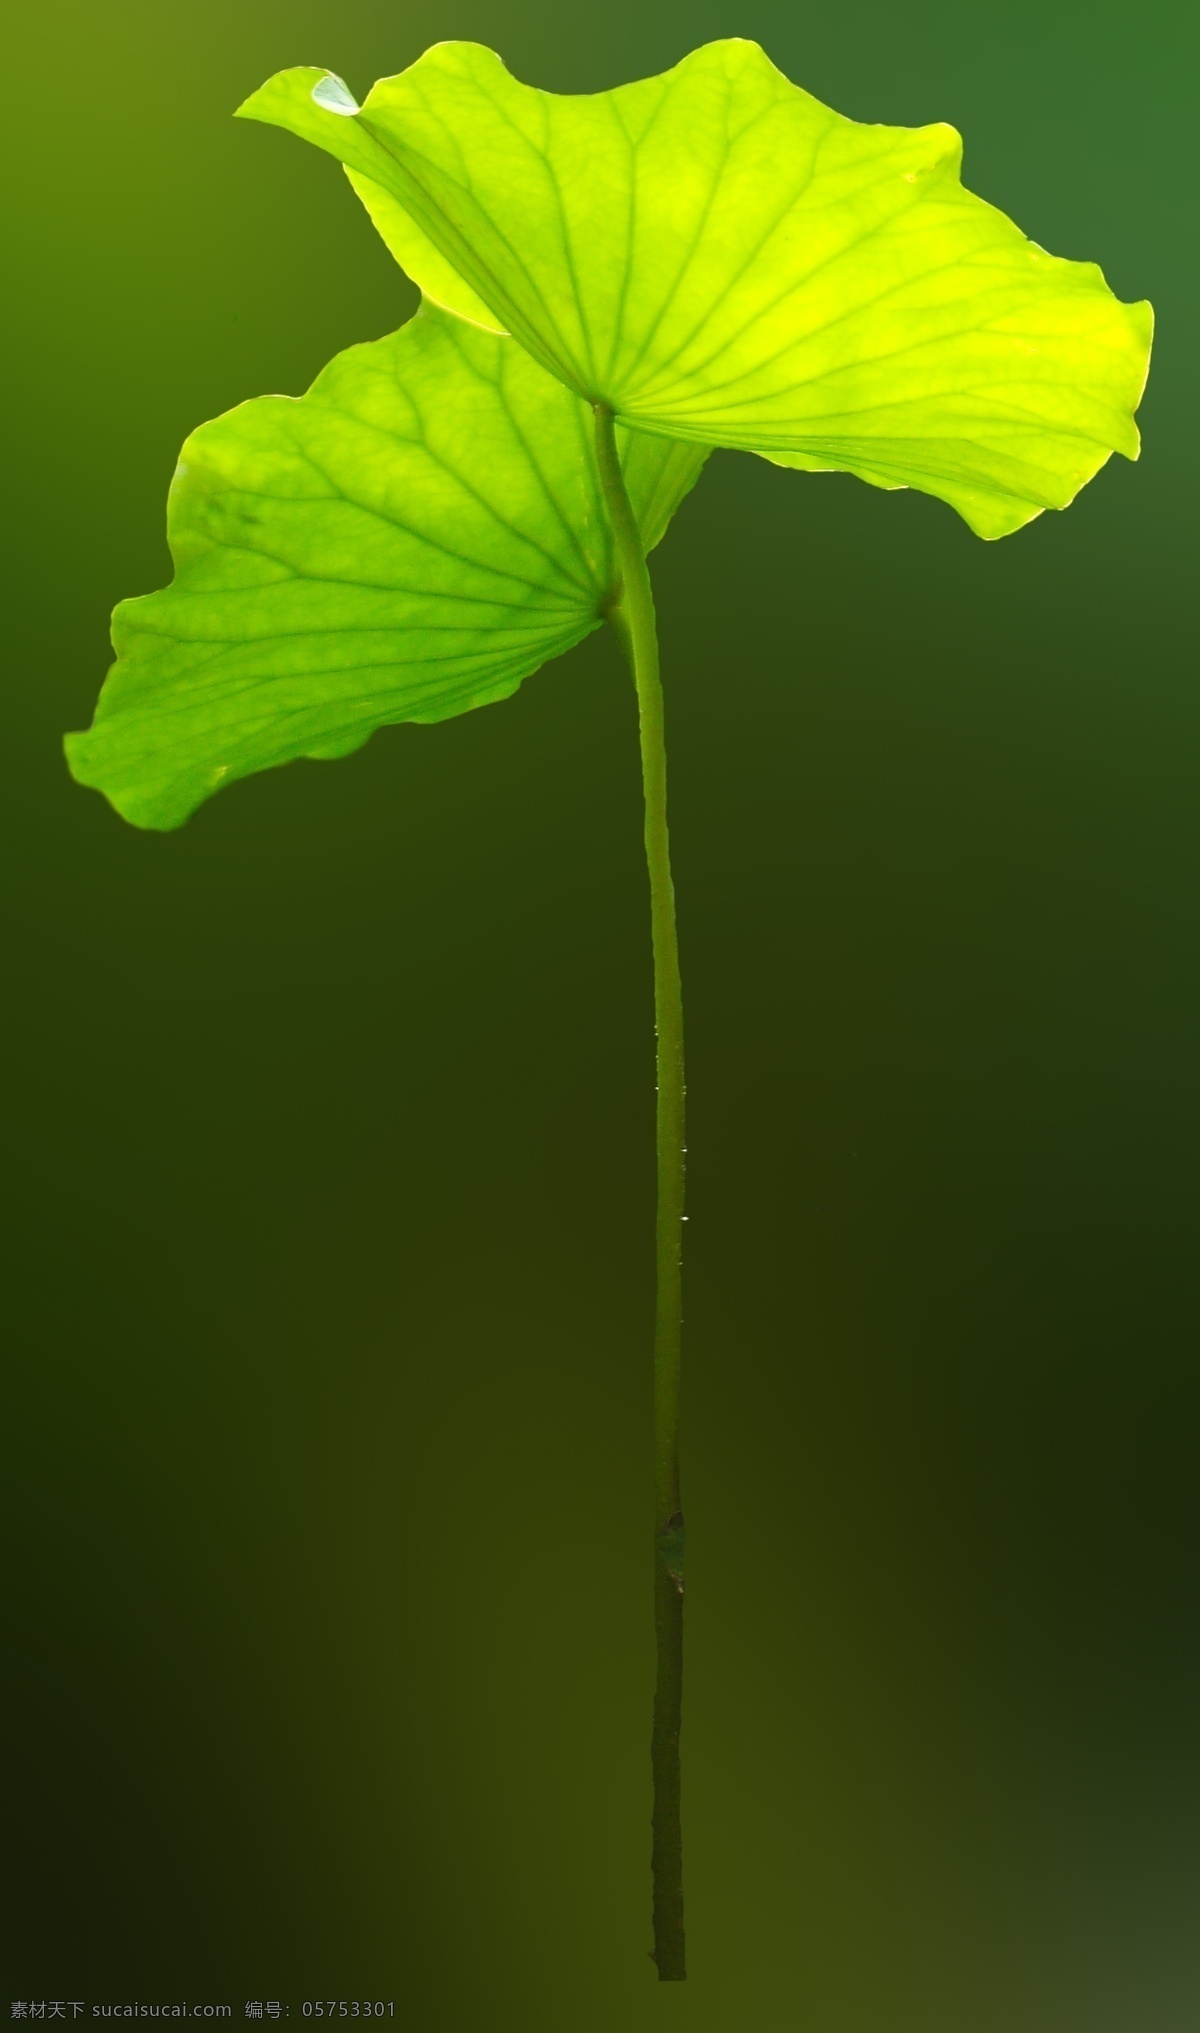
328, 1645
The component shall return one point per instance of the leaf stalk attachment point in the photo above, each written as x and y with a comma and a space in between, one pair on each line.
634, 624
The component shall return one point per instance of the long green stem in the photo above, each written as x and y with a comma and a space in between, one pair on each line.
635, 628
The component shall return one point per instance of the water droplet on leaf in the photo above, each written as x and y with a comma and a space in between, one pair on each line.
335, 96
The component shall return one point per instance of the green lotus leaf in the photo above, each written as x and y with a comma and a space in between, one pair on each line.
715, 255
440, 283
408, 540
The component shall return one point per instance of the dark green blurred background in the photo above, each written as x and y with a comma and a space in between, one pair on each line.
328, 1646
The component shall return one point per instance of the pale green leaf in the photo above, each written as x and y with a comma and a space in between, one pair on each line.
404, 239
318, 106
716, 255
410, 539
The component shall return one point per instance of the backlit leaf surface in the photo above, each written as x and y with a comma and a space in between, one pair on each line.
410, 539
718, 256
